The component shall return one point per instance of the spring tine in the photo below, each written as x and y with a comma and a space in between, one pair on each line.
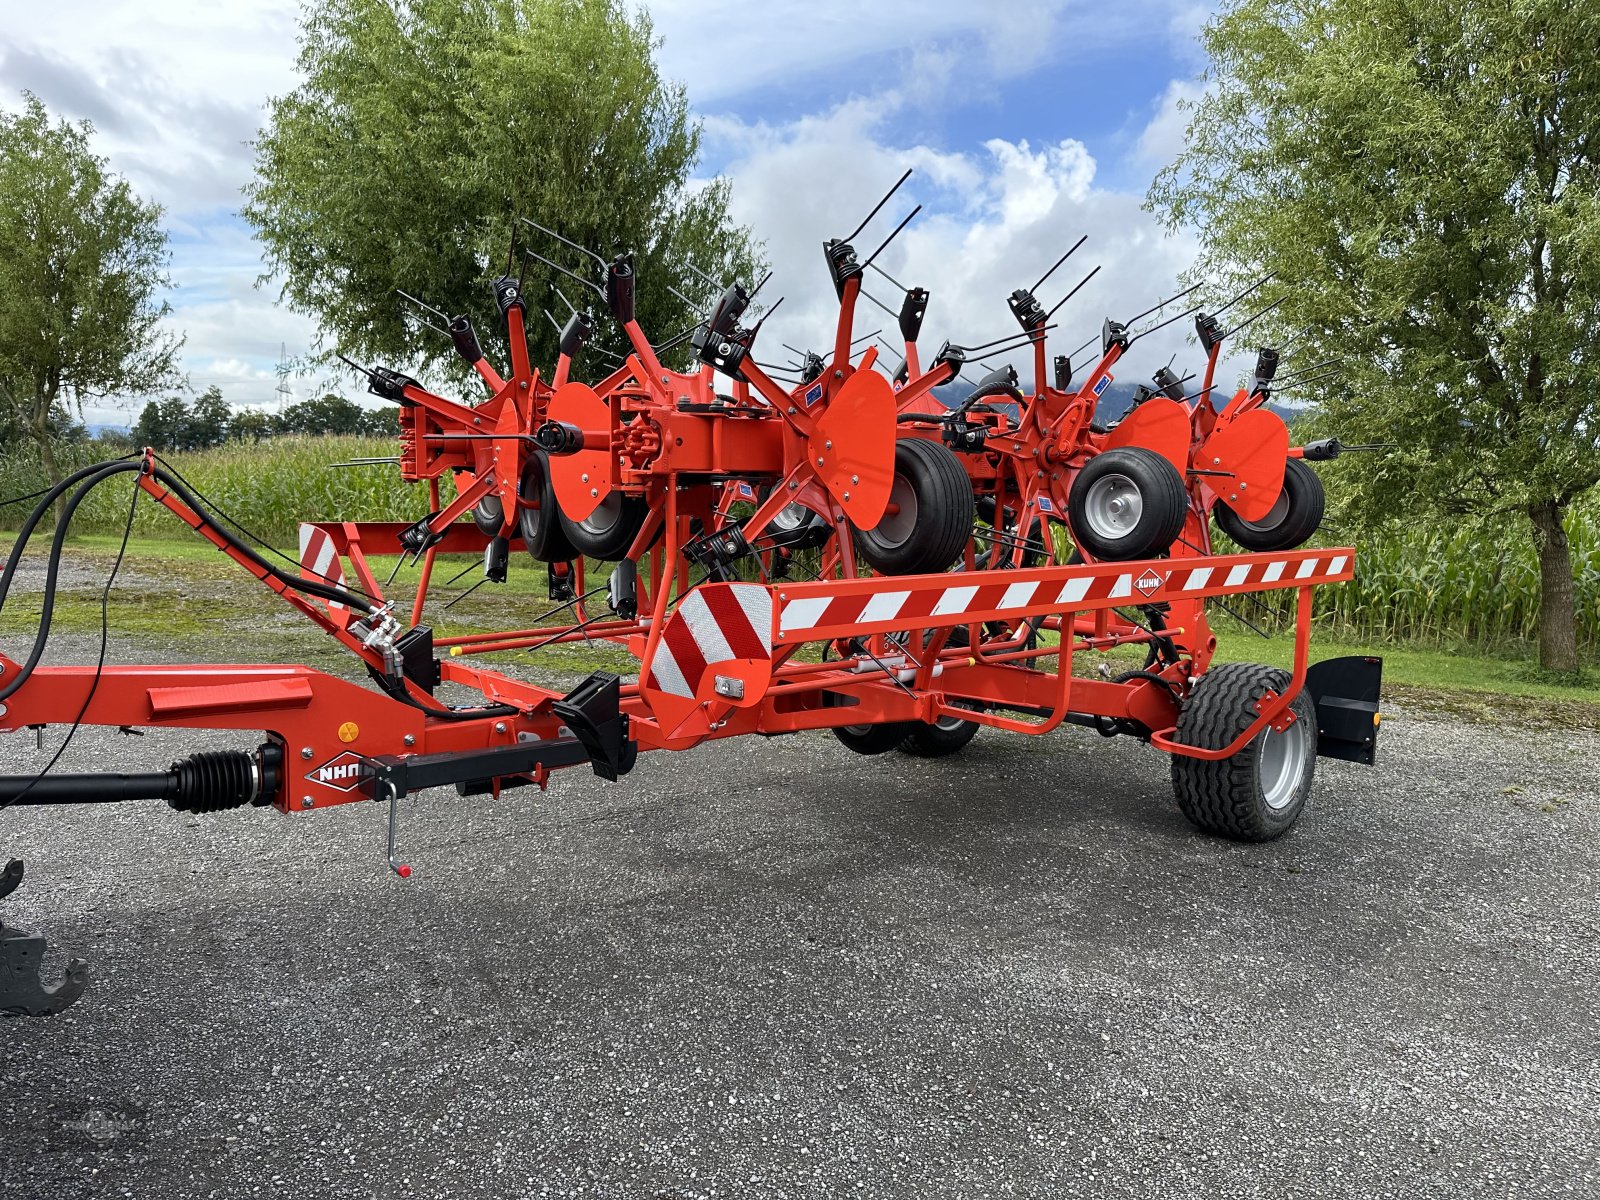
588, 283
1305, 383
1249, 321
1072, 293
852, 234
721, 287
1059, 261
888, 276
879, 303
1163, 324
1027, 339
1161, 305
865, 336
565, 240
1249, 291
892, 236
466, 593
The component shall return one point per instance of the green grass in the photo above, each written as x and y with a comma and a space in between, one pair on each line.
1421, 667
201, 600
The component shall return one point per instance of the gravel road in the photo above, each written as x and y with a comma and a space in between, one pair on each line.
771, 968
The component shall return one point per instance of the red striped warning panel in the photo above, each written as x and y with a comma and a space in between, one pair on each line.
319, 560
715, 627
824, 610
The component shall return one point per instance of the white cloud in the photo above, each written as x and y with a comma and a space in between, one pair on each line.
177, 90
994, 219
1166, 136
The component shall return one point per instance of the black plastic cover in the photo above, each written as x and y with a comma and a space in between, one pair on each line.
1347, 694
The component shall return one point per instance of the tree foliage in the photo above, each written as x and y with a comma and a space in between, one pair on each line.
81, 261
174, 424
424, 127
1424, 178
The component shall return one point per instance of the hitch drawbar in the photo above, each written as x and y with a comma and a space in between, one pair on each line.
22, 991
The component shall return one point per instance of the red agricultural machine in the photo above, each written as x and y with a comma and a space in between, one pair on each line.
834, 552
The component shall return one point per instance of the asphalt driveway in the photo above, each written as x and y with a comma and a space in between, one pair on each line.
772, 968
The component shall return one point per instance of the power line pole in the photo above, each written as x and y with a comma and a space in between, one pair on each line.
283, 389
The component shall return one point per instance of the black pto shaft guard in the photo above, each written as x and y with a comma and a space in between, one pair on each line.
22, 991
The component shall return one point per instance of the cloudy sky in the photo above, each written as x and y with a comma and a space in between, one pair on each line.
1028, 125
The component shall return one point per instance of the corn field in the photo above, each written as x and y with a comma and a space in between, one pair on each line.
269, 487
1449, 586
1418, 583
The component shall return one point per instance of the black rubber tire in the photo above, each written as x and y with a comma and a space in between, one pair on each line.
1227, 798
1164, 503
941, 524
938, 740
868, 739
541, 527
608, 532
488, 515
1293, 519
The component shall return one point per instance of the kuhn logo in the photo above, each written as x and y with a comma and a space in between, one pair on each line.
1149, 583
343, 772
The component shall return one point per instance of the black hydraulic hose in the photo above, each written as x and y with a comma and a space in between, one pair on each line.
311, 587
48, 611
88, 478
50, 496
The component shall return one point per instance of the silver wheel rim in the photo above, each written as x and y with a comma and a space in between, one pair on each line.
605, 517
950, 724
1276, 514
791, 517
896, 527
1112, 506
1281, 764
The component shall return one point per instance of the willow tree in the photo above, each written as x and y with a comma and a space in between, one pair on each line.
1424, 178
422, 128
82, 263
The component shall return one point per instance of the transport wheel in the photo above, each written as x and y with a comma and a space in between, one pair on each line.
541, 527
868, 739
932, 512
1127, 503
1295, 515
947, 735
1258, 793
488, 515
608, 531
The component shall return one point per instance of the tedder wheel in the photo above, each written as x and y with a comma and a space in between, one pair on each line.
609, 530
488, 515
1258, 793
540, 526
947, 735
1127, 503
1294, 517
931, 512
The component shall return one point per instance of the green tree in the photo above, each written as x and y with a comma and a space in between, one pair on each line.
322, 415
251, 426
160, 423
423, 127
1424, 177
210, 421
81, 261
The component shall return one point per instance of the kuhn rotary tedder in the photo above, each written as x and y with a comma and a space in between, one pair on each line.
836, 550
